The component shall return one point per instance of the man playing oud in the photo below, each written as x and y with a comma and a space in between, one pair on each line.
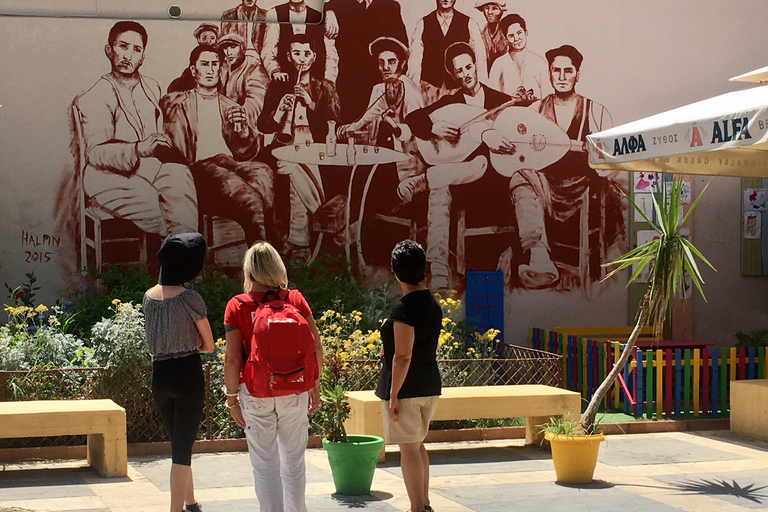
433, 129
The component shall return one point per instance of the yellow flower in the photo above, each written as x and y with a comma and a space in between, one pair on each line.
221, 341
41, 307
116, 301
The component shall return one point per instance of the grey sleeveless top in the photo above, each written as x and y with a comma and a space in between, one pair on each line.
170, 323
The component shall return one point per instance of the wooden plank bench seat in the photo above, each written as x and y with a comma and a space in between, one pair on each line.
616, 333
102, 420
536, 402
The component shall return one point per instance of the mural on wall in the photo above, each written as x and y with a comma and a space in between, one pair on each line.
346, 136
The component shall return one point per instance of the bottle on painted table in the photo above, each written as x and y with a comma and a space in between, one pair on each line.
330, 139
351, 151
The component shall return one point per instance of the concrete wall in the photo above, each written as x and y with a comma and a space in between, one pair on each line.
640, 59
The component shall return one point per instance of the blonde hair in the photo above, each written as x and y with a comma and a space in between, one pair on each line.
263, 265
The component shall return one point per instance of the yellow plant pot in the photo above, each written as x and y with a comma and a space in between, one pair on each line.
575, 457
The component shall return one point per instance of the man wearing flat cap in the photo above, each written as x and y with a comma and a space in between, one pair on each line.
494, 39
243, 78
205, 33
391, 100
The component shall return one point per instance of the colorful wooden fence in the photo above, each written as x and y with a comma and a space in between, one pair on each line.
661, 383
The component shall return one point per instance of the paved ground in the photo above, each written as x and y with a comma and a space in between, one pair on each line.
697, 472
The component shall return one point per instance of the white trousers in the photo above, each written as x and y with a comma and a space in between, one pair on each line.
277, 430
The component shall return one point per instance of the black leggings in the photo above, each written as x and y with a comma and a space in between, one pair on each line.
178, 387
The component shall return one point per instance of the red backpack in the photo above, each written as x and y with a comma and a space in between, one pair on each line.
282, 357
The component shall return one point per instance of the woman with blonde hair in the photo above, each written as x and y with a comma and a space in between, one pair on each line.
275, 419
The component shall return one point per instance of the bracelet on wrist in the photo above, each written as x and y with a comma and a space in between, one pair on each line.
232, 406
228, 392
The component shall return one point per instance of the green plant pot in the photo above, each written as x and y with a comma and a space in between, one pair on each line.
353, 463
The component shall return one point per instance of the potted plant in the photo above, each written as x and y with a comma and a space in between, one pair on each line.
670, 257
352, 458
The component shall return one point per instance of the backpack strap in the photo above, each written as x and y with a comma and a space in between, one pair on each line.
268, 296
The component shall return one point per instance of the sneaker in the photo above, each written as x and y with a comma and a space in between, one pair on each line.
409, 187
195, 507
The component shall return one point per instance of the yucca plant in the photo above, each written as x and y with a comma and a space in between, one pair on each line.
670, 257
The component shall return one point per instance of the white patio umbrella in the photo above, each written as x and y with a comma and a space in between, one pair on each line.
726, 135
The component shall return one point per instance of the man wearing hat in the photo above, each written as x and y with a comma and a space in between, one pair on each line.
387, 109
392, 99
205, 33
494, 39
243, 78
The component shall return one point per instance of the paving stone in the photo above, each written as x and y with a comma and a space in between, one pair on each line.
632, 450
475, 461
43, 484
748, 489
552, 497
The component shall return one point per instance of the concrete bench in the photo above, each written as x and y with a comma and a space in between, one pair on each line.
102, 420
536, 402
749, 416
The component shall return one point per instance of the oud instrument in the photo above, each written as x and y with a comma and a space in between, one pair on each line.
538, 141
284, 135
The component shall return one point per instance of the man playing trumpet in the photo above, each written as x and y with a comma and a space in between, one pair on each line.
299, 110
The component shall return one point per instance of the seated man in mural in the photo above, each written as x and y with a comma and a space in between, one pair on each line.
304, 104
433, 34
460, 61
519, 72
127, 169
243, 79
212, 135
205, 33
394, 185
548, 202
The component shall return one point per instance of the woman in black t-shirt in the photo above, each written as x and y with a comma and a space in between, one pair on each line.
409, 383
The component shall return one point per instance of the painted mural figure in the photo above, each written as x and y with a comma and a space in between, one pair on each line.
495, 40
243, 78
430, 127
548, 202
205, 33
252, 32
212, 135
391, 101
354, 24
305, 104
393, 186
433, 34
519, 72
294, 17
127, 171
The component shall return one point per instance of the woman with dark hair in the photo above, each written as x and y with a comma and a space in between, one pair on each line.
177, 331
409, 383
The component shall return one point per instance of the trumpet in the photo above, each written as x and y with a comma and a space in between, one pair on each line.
284, 135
